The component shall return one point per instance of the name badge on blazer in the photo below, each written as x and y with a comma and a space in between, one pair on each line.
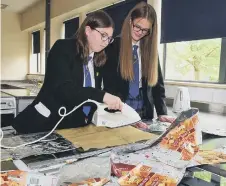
42, 109
97, 74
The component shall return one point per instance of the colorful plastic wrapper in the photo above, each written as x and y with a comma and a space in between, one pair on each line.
179, 144
152, 125
123, 164
215, 156
20, 178
90, 182
121, 169
143, 175
87, 169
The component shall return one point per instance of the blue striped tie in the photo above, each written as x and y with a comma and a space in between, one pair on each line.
88, 83
134, 85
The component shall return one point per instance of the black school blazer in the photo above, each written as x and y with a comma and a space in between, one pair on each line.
63, 86
113, 83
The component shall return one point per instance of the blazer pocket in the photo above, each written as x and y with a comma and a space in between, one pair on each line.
30, 121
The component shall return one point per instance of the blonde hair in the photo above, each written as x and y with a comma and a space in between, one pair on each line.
148, 45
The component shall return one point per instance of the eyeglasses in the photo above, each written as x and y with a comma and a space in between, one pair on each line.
137, 28
105, 37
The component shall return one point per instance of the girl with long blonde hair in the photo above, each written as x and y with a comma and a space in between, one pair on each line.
132, 70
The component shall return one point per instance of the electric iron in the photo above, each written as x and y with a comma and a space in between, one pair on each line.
112, 119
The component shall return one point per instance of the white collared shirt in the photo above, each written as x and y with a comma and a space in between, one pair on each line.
91, 71
140, 66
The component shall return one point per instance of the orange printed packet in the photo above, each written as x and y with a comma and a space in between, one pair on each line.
121, 169
142, 175
179, 144
215, 156
21, 178
182, 139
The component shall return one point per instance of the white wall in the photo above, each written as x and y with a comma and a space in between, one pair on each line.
36, 15
14, 48
200, 94
32, 19
16, 44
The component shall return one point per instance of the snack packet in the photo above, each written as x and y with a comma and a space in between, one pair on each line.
180, 143
215, 156
121, 169
143, 175
124, 163
21, 178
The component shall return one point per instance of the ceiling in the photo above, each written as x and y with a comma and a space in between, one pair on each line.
17, 6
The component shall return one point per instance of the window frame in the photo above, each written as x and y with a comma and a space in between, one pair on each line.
37, 55
222, 70
67, 21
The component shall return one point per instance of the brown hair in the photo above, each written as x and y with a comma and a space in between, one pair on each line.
148, 45
97, 19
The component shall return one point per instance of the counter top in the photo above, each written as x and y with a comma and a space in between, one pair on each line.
211, 142
23, 84
20, 93
4, 95
205, 117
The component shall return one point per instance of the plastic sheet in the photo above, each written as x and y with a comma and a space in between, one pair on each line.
95, 167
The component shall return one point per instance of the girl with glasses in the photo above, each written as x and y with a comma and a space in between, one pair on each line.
72, 76
132, 70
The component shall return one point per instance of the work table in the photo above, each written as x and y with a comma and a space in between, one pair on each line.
23, 97
209, 142
188, 180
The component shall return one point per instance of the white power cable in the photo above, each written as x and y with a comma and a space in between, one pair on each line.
62, 117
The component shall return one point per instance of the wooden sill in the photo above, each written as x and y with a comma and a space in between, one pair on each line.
35, 74
194, 84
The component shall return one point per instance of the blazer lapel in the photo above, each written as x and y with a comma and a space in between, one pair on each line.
77, 71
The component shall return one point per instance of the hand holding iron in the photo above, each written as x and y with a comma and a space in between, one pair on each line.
112, 101
165, 118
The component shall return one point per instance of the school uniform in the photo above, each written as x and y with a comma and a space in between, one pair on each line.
146, 97
64, 85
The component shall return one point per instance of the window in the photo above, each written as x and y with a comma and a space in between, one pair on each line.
119, 11
194, 46
71, 26
35, 58
193, 60
205, 21
43, 57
